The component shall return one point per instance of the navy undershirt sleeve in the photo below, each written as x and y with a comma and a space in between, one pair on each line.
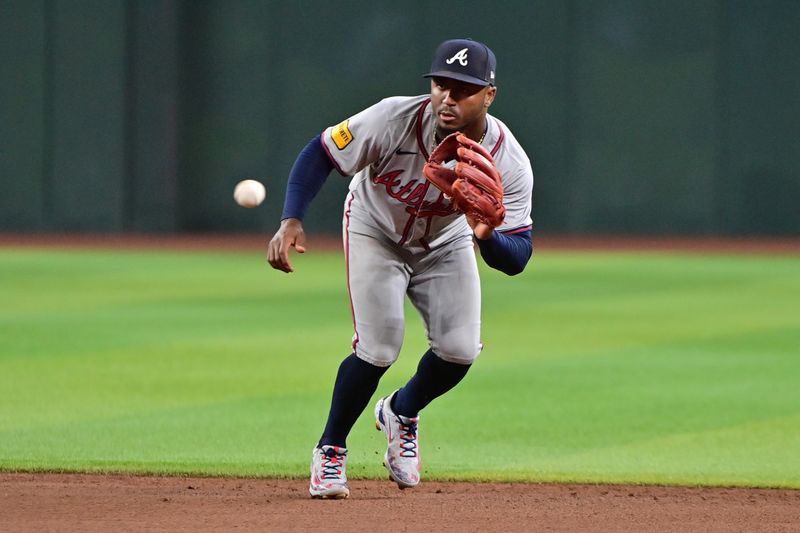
508, 253
309, 172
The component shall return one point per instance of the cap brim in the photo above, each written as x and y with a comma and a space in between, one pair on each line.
457, 76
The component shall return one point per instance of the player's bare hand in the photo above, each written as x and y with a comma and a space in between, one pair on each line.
482, 231
289, 235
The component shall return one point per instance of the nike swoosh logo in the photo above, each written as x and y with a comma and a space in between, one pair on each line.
403, 152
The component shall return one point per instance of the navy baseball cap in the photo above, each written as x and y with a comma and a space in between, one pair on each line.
464, 60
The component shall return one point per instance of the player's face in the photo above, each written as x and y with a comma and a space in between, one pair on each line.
460, 106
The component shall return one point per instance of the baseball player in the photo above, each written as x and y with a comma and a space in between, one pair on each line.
432, 174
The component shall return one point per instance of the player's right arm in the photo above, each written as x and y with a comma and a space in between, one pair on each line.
308, 173
289, 235
348, 147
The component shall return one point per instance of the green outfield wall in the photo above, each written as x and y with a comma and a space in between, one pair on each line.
678, 117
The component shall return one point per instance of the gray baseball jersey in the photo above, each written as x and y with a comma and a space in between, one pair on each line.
401, 235
386, 146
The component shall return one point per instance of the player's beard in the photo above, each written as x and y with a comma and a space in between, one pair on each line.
441, 133
453, 123
460, 124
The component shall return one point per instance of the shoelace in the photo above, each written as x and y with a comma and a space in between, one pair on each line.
331, 464
408, 434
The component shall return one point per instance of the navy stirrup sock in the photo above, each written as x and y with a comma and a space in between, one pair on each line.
434, 377
355, 384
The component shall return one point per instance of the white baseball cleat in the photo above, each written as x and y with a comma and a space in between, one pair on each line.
402, 458
328, 476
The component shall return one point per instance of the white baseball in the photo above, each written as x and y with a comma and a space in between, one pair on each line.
249, 193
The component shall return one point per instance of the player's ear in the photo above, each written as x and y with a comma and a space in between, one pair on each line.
488, 98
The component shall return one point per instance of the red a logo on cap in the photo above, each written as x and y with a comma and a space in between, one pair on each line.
461, 56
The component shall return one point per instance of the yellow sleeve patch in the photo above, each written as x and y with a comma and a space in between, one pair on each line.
341, 135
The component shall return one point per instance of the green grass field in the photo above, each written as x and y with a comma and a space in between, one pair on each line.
597, 367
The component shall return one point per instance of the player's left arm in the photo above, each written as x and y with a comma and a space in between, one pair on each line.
509, 247
507, 252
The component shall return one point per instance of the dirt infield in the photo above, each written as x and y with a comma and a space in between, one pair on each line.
68, 502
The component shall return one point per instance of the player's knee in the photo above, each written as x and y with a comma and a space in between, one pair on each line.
455, 350
379, 345
382, 358
378, 353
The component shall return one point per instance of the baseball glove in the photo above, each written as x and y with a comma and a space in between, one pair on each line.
464, 171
